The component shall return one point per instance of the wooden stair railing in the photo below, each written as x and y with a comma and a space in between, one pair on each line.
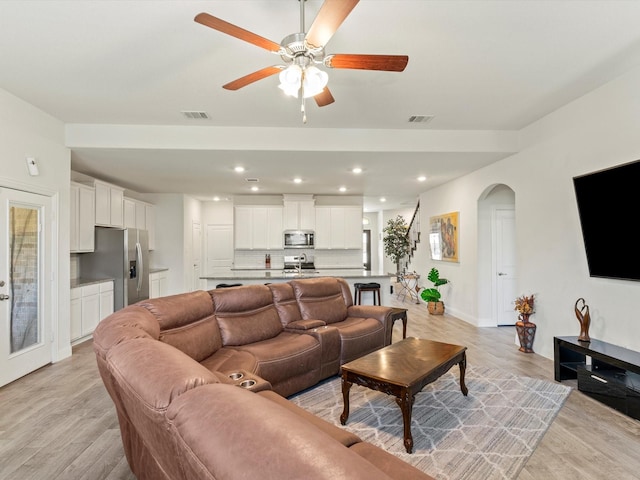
413, 234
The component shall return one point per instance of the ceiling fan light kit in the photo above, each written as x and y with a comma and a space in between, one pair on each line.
301, 52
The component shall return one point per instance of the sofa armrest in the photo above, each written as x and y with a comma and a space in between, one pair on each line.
304, 325
244, 379
378, 312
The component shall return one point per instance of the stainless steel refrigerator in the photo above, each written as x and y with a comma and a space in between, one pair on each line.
122, 255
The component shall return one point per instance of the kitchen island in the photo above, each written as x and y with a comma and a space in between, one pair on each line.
257, 277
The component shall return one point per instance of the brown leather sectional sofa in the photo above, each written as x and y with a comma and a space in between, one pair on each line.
176, 366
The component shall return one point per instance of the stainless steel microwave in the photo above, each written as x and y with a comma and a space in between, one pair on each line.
299, 239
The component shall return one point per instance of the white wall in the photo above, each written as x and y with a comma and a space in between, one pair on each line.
169, 239
596, 131
26, 131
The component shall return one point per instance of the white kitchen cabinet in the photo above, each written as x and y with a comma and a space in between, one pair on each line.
243, 227
150, 222
158, 284
89, 304
338, 227
129, 206
106, 299
76, 313
90, 307
82, 218
140, 215
109, 204
258, 228
299, 215
353, 227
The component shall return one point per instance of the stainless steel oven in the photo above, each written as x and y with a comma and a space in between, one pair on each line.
299, 239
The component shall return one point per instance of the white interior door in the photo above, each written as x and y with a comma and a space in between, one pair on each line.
196, 248
25, 319
505, 266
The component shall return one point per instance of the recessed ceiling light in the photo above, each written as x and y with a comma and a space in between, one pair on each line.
239, 169
216, 199
254, 189
297, 180
422, 178
357, 170
382, 199
343, 189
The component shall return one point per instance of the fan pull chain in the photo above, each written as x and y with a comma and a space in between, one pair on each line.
302, 109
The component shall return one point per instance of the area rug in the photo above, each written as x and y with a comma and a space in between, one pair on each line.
489, 434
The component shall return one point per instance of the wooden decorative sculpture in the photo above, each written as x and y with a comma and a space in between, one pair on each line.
584, 318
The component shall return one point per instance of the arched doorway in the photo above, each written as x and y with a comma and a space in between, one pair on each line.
497, 273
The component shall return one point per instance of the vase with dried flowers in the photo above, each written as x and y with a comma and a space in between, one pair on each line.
525, 328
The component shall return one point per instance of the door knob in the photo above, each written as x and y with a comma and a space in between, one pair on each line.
4, 296
501, 274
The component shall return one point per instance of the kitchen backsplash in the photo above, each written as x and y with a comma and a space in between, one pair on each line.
322, 258
74, 267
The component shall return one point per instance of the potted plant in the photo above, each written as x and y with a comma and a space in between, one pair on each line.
396, 240
526, 329
432, 295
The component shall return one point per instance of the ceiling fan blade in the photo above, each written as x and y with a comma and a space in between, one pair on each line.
329, 18
252, 77
389, 63
235, 31
324, 98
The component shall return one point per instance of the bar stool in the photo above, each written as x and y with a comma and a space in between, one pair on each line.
227, 285
366, 287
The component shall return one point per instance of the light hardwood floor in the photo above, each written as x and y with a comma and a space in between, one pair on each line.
58, 423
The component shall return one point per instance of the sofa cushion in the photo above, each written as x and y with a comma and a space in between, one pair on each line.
320, 299
222, 428
285, 356
131, 322
285, 301
199, 339
245, 314
228, 359
154, 372
178, 310
359, 336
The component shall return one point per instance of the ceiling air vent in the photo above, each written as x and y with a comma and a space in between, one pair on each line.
420, 118
251, 180
196, 115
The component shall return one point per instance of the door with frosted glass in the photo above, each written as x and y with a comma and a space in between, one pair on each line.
25, 340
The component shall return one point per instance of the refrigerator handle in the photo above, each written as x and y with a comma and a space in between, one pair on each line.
140, 265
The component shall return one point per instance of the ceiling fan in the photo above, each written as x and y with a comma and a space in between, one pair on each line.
301, 52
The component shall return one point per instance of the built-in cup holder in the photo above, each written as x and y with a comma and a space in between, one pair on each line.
247, 383
236, 376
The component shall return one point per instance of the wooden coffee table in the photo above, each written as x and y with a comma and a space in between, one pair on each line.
402, 369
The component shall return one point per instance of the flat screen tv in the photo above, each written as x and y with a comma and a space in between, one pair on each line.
609, 210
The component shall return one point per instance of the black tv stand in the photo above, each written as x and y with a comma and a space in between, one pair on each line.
606, 372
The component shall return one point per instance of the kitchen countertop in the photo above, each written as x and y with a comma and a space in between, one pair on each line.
279, 274
81, 282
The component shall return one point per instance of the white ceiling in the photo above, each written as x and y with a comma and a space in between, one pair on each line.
483, 69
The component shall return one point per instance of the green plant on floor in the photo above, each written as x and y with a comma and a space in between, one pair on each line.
433, 294
396, 240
